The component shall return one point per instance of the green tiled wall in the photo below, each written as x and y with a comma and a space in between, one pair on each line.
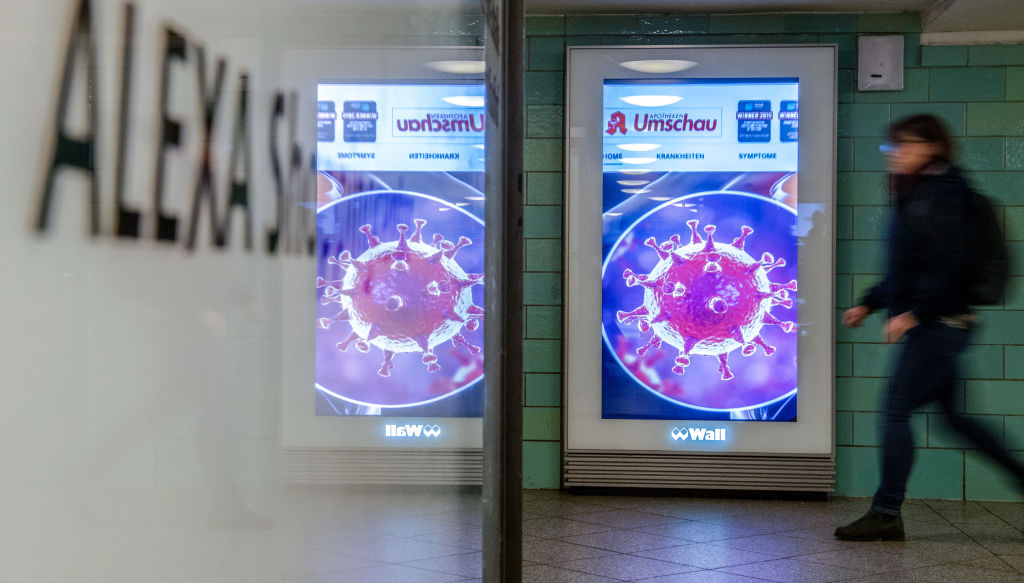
977, 90
543, 228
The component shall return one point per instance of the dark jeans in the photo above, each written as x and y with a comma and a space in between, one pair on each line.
927, 372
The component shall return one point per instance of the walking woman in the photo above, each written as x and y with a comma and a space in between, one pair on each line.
924, 291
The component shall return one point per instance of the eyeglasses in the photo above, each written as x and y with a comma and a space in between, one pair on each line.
894, 144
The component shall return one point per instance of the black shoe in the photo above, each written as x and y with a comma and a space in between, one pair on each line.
873, 526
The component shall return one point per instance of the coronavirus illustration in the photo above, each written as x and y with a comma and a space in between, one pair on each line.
404, 296
708, 298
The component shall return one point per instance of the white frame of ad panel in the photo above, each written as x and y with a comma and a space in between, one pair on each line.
584, 430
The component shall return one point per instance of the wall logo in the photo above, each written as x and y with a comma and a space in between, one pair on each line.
408, 430
697, 434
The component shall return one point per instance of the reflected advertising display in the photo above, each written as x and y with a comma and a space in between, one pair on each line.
700, 245
400, 257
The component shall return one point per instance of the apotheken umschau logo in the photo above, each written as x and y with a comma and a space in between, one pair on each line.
692, 122
697, 434
419, 122
411, 430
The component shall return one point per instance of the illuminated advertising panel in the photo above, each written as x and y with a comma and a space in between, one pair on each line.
699, 247
399, 251
699, 273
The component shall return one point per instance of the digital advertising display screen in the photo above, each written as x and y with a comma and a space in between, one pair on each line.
700, 274
399, 249
700, 241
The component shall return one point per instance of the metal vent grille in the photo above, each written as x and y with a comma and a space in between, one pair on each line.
695, 471
381, 466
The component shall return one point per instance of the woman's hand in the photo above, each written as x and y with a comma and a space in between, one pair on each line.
897, 326
854, 317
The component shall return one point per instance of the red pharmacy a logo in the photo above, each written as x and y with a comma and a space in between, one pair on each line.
617, 124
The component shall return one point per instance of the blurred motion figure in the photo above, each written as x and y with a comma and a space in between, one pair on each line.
925, 290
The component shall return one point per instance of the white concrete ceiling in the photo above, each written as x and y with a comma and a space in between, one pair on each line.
938, 15
960, 15
723, 6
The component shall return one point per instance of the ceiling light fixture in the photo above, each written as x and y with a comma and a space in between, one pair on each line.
465, 100
457, 67
651, 100
637, 147
658, 65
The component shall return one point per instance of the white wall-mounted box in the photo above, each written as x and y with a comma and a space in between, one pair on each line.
880, 63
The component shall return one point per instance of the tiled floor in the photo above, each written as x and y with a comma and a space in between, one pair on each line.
409, 536
678, 540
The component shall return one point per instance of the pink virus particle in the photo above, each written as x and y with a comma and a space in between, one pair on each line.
404, 296
708, 298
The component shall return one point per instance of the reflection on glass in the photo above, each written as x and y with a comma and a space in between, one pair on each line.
161, 240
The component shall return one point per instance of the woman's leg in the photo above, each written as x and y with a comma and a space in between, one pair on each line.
927, 369
980, 435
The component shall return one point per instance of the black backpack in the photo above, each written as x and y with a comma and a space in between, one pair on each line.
988, 270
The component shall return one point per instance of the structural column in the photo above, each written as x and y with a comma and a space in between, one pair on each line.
503, 321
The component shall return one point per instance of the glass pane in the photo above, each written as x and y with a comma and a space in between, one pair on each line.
243, 327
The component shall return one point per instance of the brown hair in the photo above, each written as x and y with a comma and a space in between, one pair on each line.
925, 127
